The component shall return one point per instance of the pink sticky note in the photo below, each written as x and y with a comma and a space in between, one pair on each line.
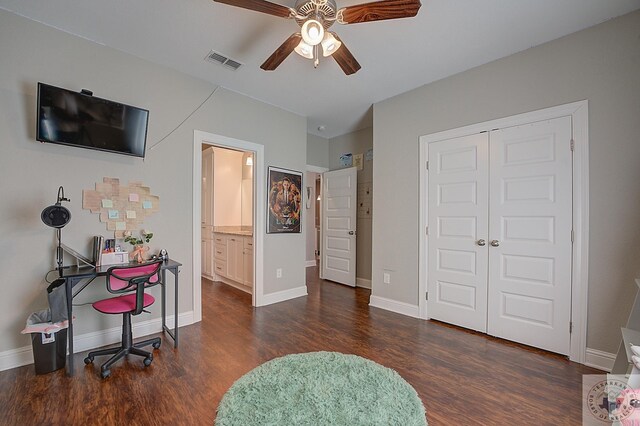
134, 197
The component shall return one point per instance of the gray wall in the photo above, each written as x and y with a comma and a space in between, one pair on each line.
357, 142
317, 151
31, 172
601, 64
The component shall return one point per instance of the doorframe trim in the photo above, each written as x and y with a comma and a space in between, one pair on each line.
319, 170
200, 138
316, 169
578, 111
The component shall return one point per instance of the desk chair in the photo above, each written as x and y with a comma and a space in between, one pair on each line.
127, 279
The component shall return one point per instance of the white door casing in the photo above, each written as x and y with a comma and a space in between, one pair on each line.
530, 225
259, 217
458, 209
339, 192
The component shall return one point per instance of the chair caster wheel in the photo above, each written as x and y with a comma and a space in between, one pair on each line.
147, 361
105, 373
156, 345
88, 360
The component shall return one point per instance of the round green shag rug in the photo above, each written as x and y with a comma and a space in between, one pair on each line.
321, 388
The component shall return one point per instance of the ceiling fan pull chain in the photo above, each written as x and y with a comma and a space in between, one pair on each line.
316, 58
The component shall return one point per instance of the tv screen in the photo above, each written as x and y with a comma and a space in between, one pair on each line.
79, 119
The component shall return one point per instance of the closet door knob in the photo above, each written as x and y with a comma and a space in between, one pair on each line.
495, 243
481, 243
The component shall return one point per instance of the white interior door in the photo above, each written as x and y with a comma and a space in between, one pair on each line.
530, 234
457, 243
339, 189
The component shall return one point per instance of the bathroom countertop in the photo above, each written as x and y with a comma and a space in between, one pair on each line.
245, 231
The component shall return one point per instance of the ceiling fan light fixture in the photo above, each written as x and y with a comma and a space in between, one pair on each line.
304, 50
330, 44
312, 32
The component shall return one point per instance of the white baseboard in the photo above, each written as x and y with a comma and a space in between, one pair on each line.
22, 356
395, 306
234, 284
599, 359
281, 296
363, 282
310, 263
15, 358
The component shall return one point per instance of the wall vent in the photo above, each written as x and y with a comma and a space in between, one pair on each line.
218, 58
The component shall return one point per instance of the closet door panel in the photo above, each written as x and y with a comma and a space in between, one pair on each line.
530, 222
457, 206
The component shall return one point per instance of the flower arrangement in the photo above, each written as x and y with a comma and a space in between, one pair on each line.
146, 237
138, 244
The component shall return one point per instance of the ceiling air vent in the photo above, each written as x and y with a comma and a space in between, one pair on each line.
218, 58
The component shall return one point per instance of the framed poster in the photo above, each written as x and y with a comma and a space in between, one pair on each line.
284, 201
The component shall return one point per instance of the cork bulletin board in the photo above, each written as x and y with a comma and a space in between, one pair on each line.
121, 207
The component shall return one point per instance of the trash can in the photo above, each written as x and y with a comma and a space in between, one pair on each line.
49, 342
49, 351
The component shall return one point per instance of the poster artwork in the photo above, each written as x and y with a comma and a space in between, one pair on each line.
285, 201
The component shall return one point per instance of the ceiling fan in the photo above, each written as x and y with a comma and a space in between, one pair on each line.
315, 17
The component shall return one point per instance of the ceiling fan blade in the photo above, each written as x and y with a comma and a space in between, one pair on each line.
345, 59
378, 11
263, 6
281, 52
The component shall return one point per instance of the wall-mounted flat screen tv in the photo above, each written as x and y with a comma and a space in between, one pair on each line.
82, 120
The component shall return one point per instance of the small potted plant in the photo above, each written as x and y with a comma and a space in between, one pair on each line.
138, 244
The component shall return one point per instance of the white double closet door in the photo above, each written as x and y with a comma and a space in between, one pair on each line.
500, 226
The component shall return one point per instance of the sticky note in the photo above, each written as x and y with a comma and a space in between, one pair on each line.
146, 204
106, 204
121, 226
134, 197
113, 214
131, 214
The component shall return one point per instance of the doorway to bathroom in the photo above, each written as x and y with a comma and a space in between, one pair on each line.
228, 227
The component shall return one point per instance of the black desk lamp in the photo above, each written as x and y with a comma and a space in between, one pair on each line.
57, 217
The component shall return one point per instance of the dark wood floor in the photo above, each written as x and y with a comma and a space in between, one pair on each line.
461, 376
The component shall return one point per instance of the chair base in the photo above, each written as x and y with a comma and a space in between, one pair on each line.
127, 347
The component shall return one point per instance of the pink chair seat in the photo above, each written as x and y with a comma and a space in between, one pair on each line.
121, 304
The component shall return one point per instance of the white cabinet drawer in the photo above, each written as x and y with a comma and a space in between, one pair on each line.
220, 252
220, 268
220, 239
248, 243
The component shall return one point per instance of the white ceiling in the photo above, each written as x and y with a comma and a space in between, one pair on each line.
445, 38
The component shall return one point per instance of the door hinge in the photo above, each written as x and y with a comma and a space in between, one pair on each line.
572, 235
427, 165
426, 230
573, 145
570, 327
426, 295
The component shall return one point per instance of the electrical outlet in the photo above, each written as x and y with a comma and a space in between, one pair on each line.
279, 273
386, 278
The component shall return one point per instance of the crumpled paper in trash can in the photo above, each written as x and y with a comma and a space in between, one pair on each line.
40, 322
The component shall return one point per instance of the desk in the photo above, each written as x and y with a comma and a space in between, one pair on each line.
74, 275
